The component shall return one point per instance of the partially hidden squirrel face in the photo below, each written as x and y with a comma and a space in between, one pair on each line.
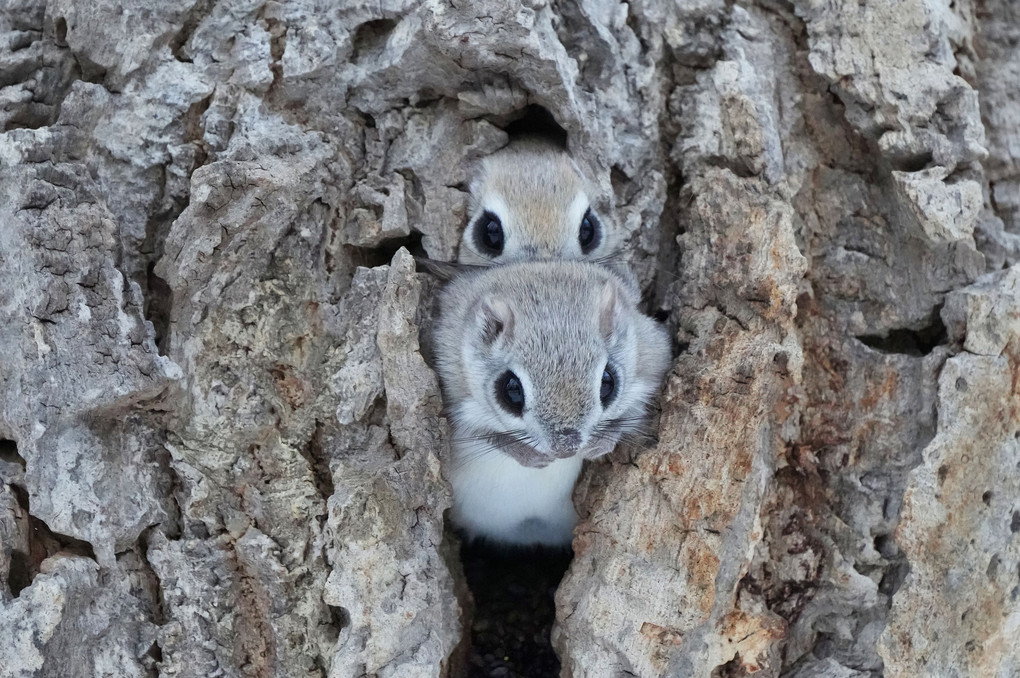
528, 205
551, 390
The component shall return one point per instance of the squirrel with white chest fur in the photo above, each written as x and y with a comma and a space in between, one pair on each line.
544, 357
544, 365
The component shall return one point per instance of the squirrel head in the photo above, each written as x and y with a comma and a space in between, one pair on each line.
529, 202
554, 360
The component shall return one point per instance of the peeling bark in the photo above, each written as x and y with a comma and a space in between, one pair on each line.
222, 446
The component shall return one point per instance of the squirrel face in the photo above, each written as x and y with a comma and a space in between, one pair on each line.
529, 202
547, 360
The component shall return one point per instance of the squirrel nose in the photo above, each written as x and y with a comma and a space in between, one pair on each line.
567, 441
570, 436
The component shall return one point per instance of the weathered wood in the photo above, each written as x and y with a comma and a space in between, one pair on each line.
221, 444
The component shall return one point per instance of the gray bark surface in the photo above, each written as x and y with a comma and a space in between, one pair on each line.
222, 445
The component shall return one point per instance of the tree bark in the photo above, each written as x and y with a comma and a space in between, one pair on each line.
222, 443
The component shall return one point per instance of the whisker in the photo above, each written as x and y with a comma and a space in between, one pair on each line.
611, 258
623, 424
497, 440
628, 437
506, 443
445, 270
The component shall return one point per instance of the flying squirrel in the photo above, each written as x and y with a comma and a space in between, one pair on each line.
529, 201
543, 364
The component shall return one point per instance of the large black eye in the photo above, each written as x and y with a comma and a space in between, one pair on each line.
510, 393
590, 233
488, 234
608, 390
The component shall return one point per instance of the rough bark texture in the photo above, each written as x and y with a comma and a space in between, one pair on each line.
222, 445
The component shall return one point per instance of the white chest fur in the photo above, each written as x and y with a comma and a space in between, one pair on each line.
497, 498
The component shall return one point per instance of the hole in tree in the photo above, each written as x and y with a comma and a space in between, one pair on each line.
731, 669
618, 179
42, 543
906, 341
537, 121
340, 617
382, 254
157, 305
513, 590
893, 579
60, 31
885, 546
154, 654
9, 453
90, 71
370, 38
21, 573
912, 163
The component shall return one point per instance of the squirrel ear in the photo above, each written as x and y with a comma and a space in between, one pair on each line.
610, 310
495, 319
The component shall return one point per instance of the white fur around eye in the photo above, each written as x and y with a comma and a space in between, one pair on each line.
494, 202
630, 391
575, 213
597, 383
484, 413
509, 421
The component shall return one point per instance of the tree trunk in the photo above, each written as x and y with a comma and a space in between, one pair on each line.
222, 442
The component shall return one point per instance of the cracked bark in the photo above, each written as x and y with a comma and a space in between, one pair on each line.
221, 446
